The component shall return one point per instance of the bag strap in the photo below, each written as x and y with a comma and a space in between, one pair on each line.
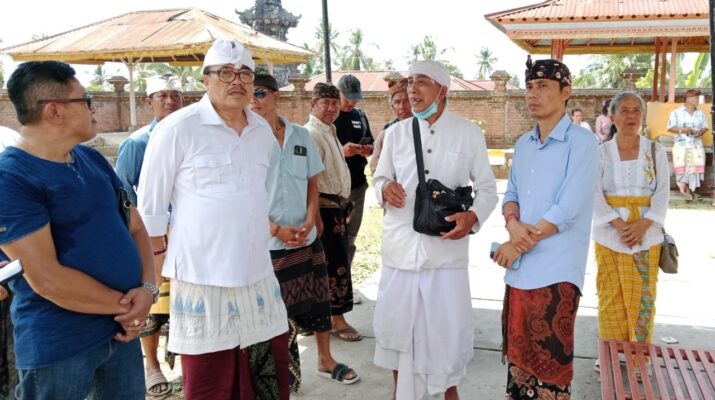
363, 121
418, 152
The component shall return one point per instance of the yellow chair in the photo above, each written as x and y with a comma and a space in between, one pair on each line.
656, 120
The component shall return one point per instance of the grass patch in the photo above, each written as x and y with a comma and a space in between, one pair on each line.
702, 203
367, 257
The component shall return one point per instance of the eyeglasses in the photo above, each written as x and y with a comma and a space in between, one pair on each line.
228, 76
260, 93
86, 99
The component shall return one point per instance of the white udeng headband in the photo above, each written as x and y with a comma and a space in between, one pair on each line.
224, 51
435, 70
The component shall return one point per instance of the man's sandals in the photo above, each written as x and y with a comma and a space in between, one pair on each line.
338, 374
155, 378
348, 334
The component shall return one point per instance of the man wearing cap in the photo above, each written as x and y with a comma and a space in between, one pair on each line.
164, 97
400, 104
296, 252
423, 316
547, 209
689, 124
354, 133
210, 160
333, 203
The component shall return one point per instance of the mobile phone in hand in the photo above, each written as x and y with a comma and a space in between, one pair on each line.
494, 247
10, 271
365, 140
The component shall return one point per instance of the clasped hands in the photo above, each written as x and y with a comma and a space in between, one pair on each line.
295, 236
137, 301
632, 233
394, 194
521, 240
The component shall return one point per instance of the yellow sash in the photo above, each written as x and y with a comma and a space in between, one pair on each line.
632, 203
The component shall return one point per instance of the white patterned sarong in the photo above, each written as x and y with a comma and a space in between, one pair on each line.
207, 319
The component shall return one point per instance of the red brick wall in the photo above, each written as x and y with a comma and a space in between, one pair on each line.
504, 114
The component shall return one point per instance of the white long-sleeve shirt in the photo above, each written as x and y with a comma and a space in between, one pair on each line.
215, 181
455, 153
630, 178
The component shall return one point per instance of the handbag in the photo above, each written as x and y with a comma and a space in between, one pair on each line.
668, 262
435, 201
125, 205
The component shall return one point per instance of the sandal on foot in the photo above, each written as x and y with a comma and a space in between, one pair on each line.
346, 333
338, 374
155, 378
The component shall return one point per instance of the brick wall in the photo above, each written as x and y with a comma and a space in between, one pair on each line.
503, 113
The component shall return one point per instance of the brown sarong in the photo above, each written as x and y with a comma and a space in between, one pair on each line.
538, 331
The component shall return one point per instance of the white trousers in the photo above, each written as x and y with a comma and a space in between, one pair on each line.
423, 329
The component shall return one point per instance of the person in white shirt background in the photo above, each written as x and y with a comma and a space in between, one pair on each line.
577, 118
210, 161
423, 316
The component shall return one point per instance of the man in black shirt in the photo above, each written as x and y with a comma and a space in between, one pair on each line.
353, 131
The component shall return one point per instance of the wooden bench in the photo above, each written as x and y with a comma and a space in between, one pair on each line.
673, 373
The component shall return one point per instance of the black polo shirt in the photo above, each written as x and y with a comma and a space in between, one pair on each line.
351, 127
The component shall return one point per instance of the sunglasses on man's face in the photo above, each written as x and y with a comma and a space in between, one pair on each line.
260, 93
86, 99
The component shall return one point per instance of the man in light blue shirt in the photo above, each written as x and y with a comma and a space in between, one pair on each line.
164, 97
296, 252
547, 209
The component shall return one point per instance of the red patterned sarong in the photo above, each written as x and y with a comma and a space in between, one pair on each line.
538, 330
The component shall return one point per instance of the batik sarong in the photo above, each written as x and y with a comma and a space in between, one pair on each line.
538, 331
521, 385
303, 277
335, 243
626, 285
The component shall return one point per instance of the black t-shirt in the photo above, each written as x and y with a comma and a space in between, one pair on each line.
351, 127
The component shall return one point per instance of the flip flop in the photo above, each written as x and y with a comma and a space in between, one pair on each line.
343, 334
156, 377
338, 374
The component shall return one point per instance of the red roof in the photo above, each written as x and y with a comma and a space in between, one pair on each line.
373, 81
604, 10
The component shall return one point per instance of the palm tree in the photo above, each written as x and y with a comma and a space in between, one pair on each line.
605, 71
319, 47
190, 78
353, 57
428, 50
485, 62
99, 80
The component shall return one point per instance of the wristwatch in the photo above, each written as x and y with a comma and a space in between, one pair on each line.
153, 289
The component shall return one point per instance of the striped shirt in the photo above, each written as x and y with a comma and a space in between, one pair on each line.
336, 177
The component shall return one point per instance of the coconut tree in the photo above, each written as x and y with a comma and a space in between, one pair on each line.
485, 61
99, 79
427, 49
190, 78
605, 71
353, 57
319, 47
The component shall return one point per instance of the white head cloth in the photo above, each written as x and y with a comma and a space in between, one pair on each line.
433, 69
224, 51
157, 83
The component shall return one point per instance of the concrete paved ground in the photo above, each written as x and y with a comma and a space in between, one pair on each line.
684, 311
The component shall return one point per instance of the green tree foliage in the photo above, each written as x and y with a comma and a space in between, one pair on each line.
485, 61
605, 71
190, 78
316, 63
99, 80
353, 58
427, 49
514, 80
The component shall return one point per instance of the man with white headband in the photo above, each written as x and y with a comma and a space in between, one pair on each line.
210, 161
423, 316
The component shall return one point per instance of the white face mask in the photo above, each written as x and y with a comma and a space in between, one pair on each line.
430, 111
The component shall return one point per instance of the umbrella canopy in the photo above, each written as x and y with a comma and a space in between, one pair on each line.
175, 36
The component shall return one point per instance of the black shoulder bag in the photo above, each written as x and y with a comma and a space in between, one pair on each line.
434, 200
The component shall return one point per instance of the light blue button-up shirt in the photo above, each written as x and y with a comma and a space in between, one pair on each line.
554, 181
130, 158
287, 181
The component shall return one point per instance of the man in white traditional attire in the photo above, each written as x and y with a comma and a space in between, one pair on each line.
423, 320
210, 161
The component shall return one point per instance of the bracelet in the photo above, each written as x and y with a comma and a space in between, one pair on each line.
160, 251
509, 217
